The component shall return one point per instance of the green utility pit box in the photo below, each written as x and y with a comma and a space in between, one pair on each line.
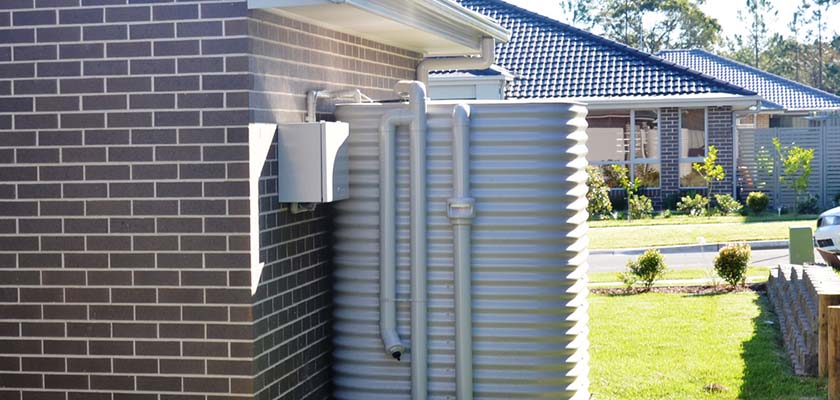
801, 245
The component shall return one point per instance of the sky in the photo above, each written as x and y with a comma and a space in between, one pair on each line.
722, 10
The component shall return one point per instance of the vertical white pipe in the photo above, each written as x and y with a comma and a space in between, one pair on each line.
460, 209
388, 230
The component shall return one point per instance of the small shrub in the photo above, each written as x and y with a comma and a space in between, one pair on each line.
640, 207
598, 194
649, 267
731, 263
808, 205
694, 206
727, 204
758, 202
628, 279
665, 214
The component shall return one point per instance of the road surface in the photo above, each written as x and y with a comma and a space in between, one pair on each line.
689, 260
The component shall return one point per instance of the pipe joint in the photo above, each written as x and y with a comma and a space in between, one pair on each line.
460, 209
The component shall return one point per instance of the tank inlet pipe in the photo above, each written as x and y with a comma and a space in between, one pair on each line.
313, 96
482, 61
415, 117
461, 210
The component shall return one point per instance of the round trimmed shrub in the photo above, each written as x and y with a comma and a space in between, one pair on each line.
727, 204
649, 267
758, 202
640, 207
731, 263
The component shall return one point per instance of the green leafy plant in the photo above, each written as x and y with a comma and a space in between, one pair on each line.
808, 205
666, 213
727, 204
640, 207
710, 171
598, 193
796, 167
731, 263
631, 187
757, 202
694, 205
649, 267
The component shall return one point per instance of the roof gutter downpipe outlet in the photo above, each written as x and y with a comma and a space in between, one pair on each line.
461, 210
416, 119
483, 61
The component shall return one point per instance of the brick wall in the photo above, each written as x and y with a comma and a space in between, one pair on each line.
669, 131
292, 304
124, 235
720, 124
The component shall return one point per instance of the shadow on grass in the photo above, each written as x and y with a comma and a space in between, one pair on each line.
768, 374
768, 217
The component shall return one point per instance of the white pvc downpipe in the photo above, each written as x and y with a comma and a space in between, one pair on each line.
416, 118
461, 210
313, 96
482, 61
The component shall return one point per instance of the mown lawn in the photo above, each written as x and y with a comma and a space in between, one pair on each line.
685, 230
671, 346
755, 274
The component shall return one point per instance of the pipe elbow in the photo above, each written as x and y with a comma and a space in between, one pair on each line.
461, 113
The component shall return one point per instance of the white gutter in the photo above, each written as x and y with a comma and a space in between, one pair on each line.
483, 61
690, 100
461, 210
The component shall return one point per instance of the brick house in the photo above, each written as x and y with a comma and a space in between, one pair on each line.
648, 114
143, 254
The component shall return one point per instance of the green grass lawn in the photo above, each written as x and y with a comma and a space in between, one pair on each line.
756, 274
670, 346
687, 230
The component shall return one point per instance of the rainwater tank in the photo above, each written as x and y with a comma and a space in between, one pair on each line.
529, 255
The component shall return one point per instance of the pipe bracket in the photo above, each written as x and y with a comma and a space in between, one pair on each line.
460, 208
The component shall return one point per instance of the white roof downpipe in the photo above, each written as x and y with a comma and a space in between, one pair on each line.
482, 61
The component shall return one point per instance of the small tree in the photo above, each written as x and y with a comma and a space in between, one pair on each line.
796, 167
710, 171
598, 193
630, 187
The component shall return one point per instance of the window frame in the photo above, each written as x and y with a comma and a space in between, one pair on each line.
691, 160
632, 162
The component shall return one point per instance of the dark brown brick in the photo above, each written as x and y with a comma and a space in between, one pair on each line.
178, 153
18, 208
179, 225
224, 46
129, 49
228, 9
20, 346
135, 365
131, 84
108, 207
64, 174
133, 153
227, 224
132, 225
89, 365
11, 329
182, 367
109, 278
16, 104
19, 243
85, 190
159, 383
66, 381
40, 86
83, 154
9, 295
87, 295
152, 31
177, 118
155, 207
39, 260
62, 243
83, 50
18, 173
158, 348
105, 102
62, 138
107, 172
200, 65
41, 295
63, 312
9, 364
133, 296
203, 278
59, 278
21, 380
111, 313
226, 82
86, 225
34, 17
39, 225
112, 382
132, 260
155, 243
21, 311
39, 191
39, 156
175, 12
179, 189
204, 313
17, 70
224, 367
8, 36
106, 67
85, 16
226, 189
102, 32
152, 101
46, 329
203, 243
88, 395
176, 48
62, 103
180, 260
127, 14
158, 313
60, 34
71, 121
182, 330
228, 296
36, 121
20, 277
200, 28
156, 278
132, 190
83, 85
129, 119
65, 347
106, 137
204, 385
177, 83
200, 100
181, 296
88, 329
226, 153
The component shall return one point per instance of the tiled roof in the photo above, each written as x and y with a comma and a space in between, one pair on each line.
781, 93
551, 59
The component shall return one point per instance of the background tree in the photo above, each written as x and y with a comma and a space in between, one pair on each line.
755, 16
579, 13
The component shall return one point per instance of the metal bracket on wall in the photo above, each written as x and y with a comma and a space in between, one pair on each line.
297, 208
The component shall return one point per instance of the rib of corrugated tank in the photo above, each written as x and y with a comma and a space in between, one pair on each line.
529, 251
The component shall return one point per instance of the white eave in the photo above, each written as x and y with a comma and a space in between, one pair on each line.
737, 102
430, 27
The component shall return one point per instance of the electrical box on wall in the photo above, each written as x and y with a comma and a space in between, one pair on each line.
312, 160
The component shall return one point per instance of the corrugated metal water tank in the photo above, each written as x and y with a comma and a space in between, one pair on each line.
529, 252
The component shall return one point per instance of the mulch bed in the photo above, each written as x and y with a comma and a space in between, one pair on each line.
692, 290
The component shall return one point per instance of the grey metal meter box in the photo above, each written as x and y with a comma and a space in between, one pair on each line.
312, 160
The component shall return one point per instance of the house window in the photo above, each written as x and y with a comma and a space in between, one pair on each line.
629, 138
693, 138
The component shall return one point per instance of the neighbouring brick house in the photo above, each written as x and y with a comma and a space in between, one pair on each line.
650, 115
126, 205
